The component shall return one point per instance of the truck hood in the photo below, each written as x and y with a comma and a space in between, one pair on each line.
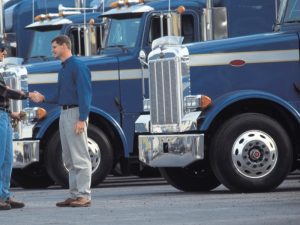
258, 42
54, 66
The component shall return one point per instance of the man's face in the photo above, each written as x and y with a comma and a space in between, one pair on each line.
58, 50
3, 53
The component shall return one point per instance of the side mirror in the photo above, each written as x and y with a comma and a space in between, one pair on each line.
143, 58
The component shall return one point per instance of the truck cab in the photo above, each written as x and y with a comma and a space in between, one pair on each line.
118, 88
231, 115
20, 13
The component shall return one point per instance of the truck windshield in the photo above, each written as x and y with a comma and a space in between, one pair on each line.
123, 32
292, 12
41, 45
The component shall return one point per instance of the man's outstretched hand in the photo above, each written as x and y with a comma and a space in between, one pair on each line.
36, 97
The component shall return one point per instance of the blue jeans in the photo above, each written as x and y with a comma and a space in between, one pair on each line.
6, 154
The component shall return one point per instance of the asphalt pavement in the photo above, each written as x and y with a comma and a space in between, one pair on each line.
136, 201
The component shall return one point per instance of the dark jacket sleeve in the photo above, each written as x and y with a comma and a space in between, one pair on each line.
6, 92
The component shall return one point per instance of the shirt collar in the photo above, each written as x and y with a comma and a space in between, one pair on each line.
66, 61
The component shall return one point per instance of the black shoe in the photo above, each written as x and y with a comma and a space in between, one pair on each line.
14, 204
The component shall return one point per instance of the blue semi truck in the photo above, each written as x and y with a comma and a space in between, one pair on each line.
130, 30
225, 111
17, 14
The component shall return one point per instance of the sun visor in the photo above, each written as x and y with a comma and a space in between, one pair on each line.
134, 9
48, 24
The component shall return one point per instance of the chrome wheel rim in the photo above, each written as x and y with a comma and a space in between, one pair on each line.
254, 154
95, 154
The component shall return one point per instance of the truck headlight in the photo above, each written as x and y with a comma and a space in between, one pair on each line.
34, 114
192, 102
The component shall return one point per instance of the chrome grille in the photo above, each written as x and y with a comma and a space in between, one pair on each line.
16, 78
13, 81
165, 91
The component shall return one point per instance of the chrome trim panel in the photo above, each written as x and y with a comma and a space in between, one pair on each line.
137, 8
165, 91
177, 150
142, 124
25, 153
52, 22
169, 83
188, 123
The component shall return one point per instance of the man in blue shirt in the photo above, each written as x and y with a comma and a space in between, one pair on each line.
74, 94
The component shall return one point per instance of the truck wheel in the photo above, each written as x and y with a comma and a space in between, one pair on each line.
100, 150
251, 153
195, 178
33, 176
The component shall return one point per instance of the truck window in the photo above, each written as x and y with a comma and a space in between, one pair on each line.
77, 39
123, 32
187, 28
41, 44
293, 11
78, 42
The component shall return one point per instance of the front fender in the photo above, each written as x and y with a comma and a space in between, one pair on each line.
225, 101
43, 125
54, 114
114, 123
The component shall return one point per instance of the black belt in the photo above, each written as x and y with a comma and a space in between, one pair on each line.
64, 107
5, 109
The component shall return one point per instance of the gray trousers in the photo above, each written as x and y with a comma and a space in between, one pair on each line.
75, 154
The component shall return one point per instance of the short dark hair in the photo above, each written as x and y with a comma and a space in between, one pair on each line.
62, 39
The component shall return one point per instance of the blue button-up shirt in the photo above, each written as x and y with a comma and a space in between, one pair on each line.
74, 86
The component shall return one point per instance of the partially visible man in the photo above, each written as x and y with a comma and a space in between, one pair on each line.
74, 95
6, 144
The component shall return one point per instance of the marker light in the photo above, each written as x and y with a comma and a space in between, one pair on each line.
192, 102
205, 102
41, 113
40, 17
114, 5
120, 3
181, 9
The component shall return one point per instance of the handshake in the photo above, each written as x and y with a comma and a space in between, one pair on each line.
36, 97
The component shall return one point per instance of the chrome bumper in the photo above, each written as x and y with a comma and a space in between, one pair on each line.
171, 150
25, 153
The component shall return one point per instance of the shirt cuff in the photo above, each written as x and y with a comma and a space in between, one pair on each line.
26, 94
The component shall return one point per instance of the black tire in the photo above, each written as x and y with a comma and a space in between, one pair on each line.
58, 171
251, 152
197, 177
33, 176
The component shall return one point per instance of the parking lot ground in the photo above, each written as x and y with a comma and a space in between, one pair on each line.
135, 201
